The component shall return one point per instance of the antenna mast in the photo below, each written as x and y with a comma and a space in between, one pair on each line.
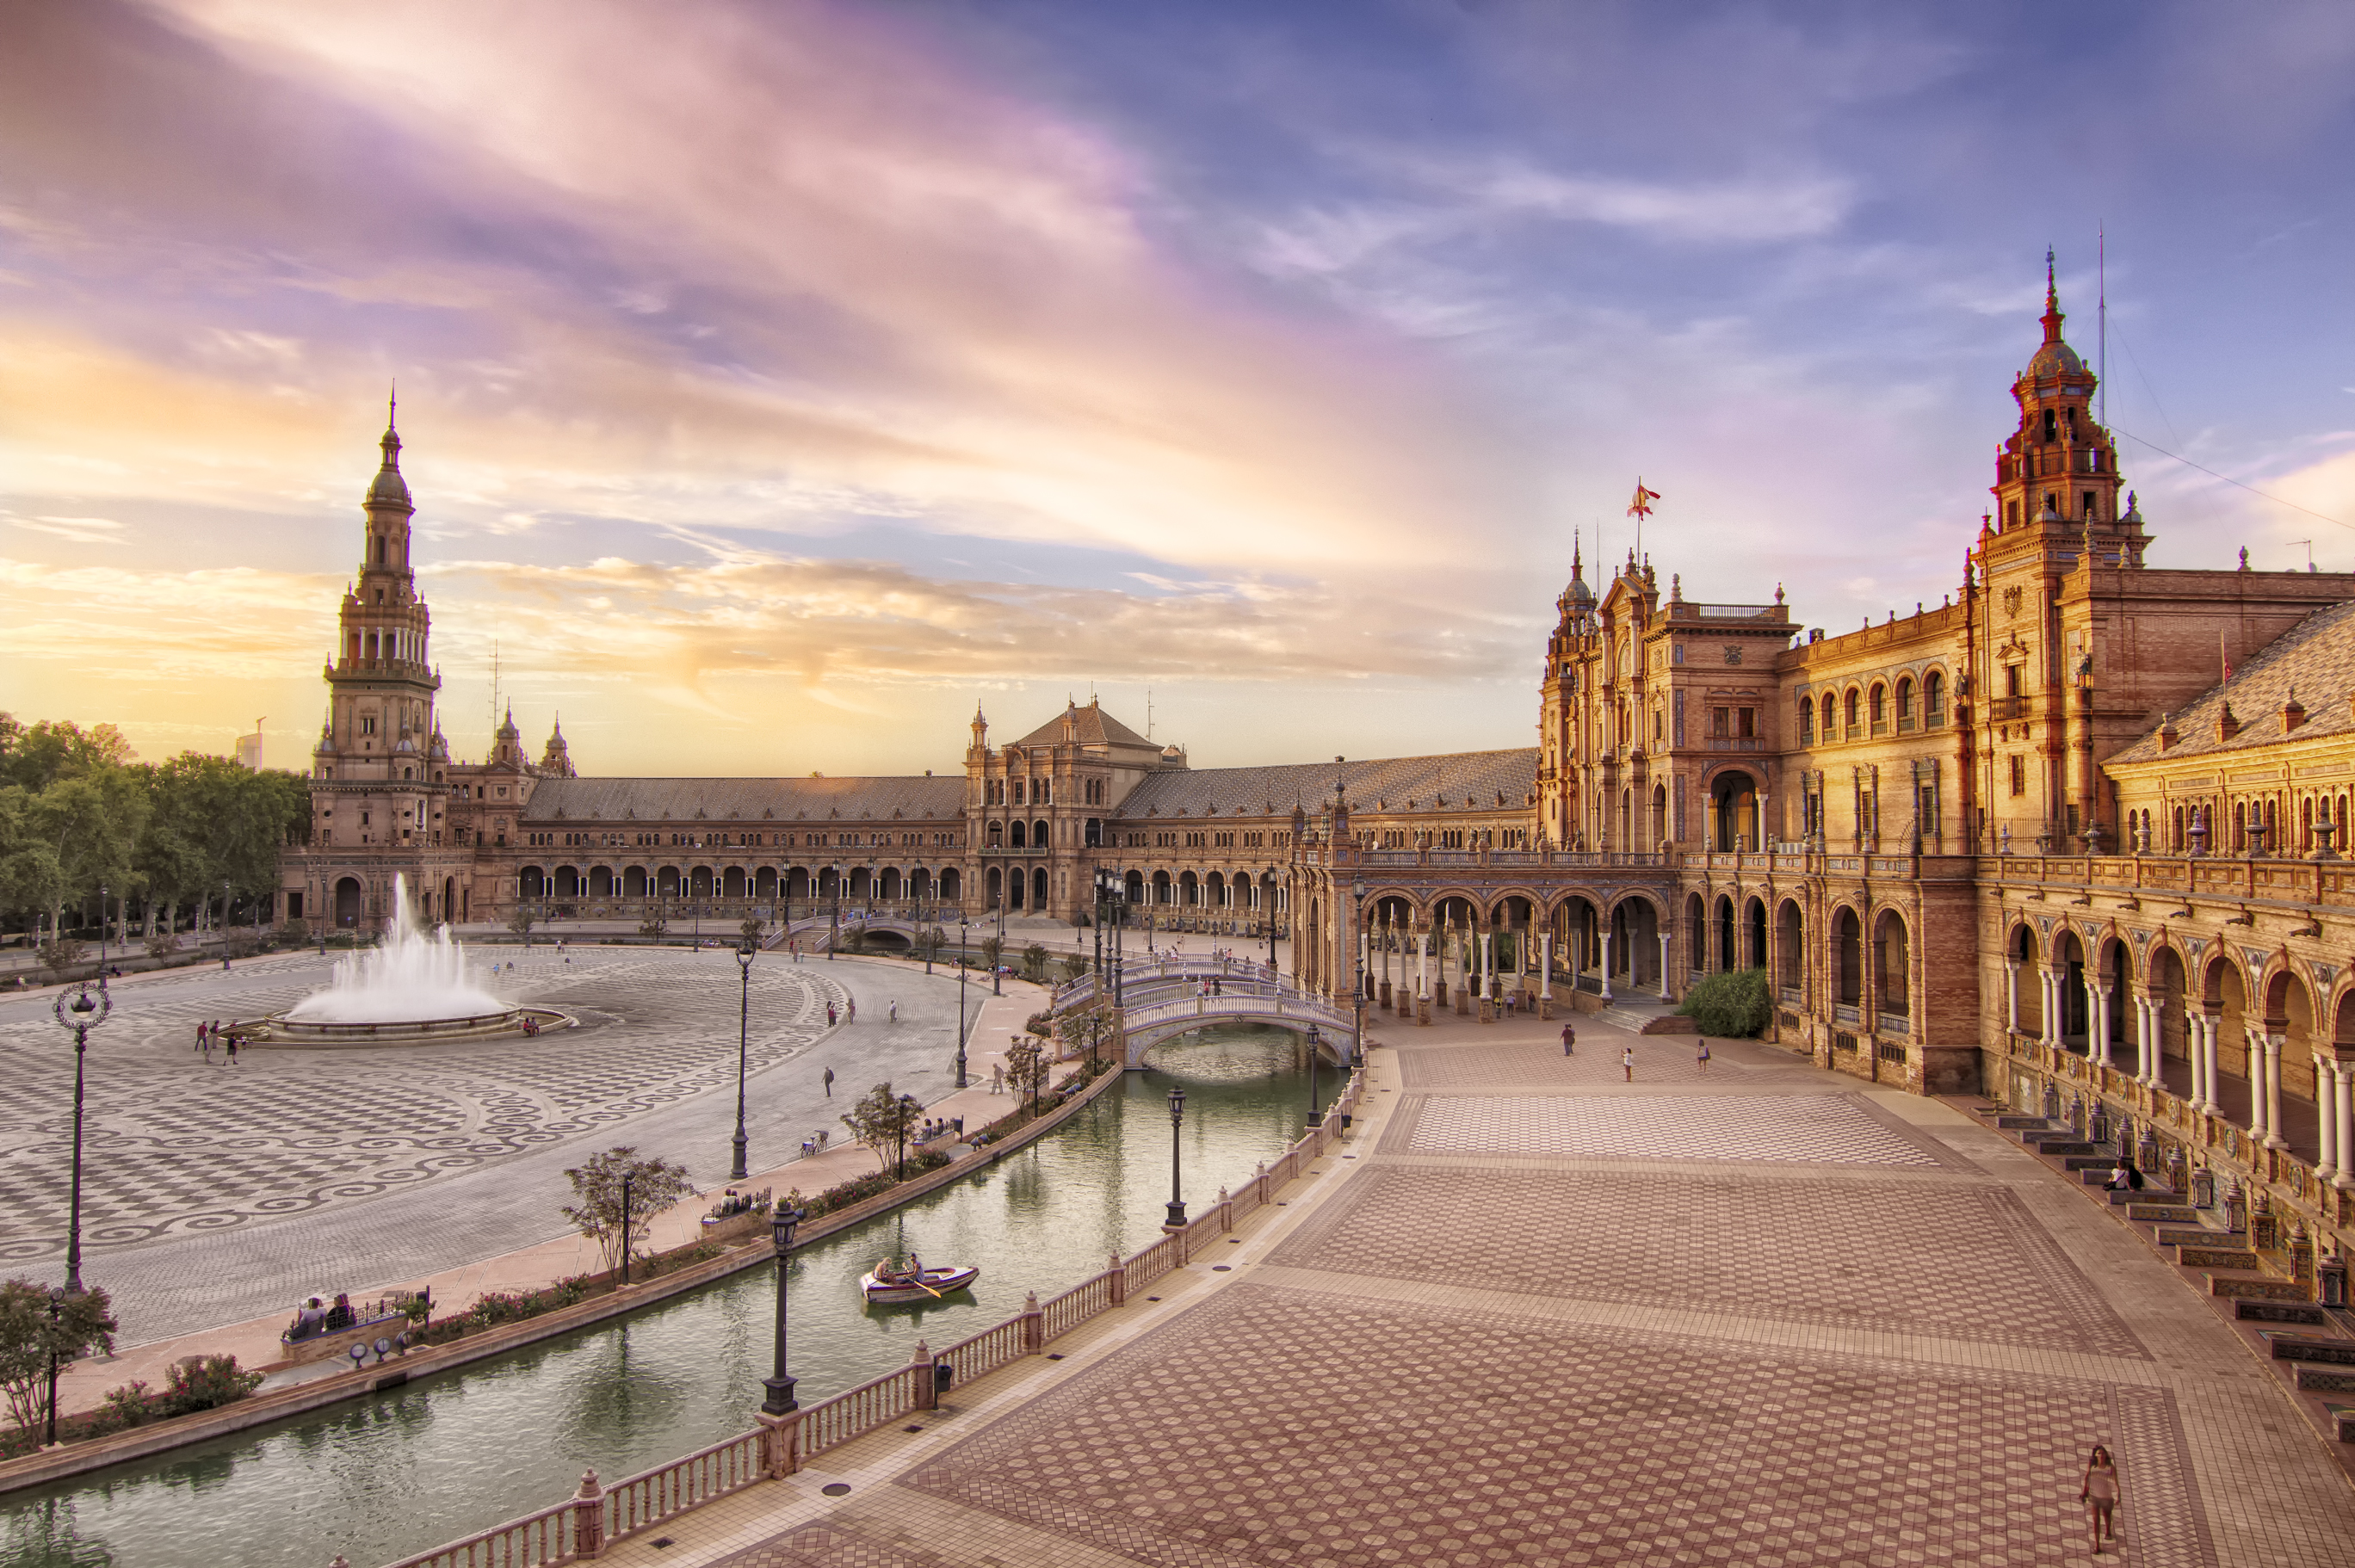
2101, 286
494, 685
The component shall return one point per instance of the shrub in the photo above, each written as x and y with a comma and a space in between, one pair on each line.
203, 1382
294, 931
125, 1406
163, 944
1736, 1004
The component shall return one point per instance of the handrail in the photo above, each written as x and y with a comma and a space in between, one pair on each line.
532, 1541
652, 1495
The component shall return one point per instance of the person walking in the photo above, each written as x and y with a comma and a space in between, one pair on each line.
229, 1046
830, 1015
853, 1016
1700, 1063
1569, 1039
2099, 1493
1628, 1061
893, 1017
829, 1083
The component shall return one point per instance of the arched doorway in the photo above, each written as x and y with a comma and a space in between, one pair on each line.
1753, 954
1791, 945
1696, 935
1847, 946
1893, 966
1725, 951
1038, 888
348, 902
1733, 811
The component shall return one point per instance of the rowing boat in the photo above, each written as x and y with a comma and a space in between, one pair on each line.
903, 1286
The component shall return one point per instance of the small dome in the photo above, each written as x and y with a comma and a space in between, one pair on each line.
389, 488
2053, 360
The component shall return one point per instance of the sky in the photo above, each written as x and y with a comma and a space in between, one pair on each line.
780, 382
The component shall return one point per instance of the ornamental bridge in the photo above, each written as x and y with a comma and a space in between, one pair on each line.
1163, 998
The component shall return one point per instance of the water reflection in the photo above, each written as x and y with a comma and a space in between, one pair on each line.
382, 1477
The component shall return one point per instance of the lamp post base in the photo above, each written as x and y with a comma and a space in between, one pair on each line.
1177, 1220
737, 1172
781, 1396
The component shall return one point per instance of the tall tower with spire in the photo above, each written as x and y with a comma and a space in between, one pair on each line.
379, 772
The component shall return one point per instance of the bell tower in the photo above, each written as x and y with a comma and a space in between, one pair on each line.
2057, 473
1558, 727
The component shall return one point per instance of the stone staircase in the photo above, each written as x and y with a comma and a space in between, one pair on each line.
1654, 1017
2316, 1343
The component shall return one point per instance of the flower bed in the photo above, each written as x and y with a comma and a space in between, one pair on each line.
199, 1382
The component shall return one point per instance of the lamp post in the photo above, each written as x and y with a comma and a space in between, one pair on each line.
1316, 1040
836, 940
1269, 889
1177, 1219
743, 1030
57, 1312
908, 1108
626, 1180
224, 924
780, 1382
1358, 1041
82, 1014
996, 975
964, 928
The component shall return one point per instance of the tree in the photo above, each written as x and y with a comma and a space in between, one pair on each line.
1735, 1002
1025, 1068
1034, 961
753, 928
991, 946
1074, 964
654, 1185
654, 925
525, 917
882, 1120
85, 1323
930, 941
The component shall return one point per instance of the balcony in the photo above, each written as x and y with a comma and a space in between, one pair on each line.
2003, 709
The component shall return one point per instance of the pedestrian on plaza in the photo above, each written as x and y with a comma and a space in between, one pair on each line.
1700, 1063
230, 1046
829, 1083
830, 1015
854, 1011
998, 1078
894, 1017
1628, 1061
1569, 1039
2099, 1493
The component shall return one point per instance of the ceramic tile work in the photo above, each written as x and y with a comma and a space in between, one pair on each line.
1814, 1129
1946, 1259
1271, 1426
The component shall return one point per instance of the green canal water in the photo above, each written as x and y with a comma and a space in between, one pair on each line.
381, 1478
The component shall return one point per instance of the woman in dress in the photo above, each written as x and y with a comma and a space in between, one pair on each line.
2099, 1493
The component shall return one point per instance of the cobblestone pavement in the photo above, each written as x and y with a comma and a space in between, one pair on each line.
211, 1193
1660, 1060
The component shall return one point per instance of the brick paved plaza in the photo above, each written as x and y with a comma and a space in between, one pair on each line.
213, 1194
1761, 1316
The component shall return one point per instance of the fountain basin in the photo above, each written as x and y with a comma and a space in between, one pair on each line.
284, 1032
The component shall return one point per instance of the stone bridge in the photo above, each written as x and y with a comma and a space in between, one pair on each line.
1164, 999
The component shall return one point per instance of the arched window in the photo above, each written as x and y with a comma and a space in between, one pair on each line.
1854, 699
1880, 706
1829, 719
1807, 721
1933, 700
1906, 704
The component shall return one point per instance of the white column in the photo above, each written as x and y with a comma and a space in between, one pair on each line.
2273, 1092
2325, 1120
1422, 967
2011, 996
2098, 1021
2344, 1119
1605, 934
1664, 970
1545, 966
2209, 1068
2052, 1014
1488, 963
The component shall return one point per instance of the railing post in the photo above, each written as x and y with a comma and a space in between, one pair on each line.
1226, 1211
1034, 1325
780, 1443
589, 1518
927, 1387
1119, 1272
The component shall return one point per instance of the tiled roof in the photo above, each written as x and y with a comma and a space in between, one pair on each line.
740, 800
2314, 660
1461, 781
1094, 726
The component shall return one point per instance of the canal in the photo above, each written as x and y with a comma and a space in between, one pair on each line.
380, 1477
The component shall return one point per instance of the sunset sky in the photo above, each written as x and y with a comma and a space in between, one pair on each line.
779, 380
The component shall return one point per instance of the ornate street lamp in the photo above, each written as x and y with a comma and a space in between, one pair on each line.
1358, 1041
1177, 1219
57, 1313
836, 940
964, 928
1315, 1039
1267, 893
996, 976
744, 1028
81, 1013
780, 1382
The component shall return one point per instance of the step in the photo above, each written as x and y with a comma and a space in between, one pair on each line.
2342, 1420
2014, 1123
1645, 1020
2103, 1163
2201, 1236
2325, 1380
2154, 1213
2302, 1312
2305, 1348
2237, 1289
2217, 1257
2054, 1147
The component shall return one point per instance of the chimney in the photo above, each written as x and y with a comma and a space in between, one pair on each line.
2293, 712
2227, 726
2166, 735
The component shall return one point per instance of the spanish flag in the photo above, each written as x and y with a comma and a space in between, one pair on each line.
1642, 505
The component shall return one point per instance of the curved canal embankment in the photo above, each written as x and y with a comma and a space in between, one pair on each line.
384, 1472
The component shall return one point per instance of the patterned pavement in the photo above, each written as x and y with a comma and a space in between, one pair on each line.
1808, 1129
1404, 1434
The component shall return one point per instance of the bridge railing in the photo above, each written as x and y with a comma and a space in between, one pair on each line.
597, 1517
1339, 1021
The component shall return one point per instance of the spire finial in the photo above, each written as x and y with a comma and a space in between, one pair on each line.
391, 405
2053, 317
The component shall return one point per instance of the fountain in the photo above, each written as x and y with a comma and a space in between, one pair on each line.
414, 985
